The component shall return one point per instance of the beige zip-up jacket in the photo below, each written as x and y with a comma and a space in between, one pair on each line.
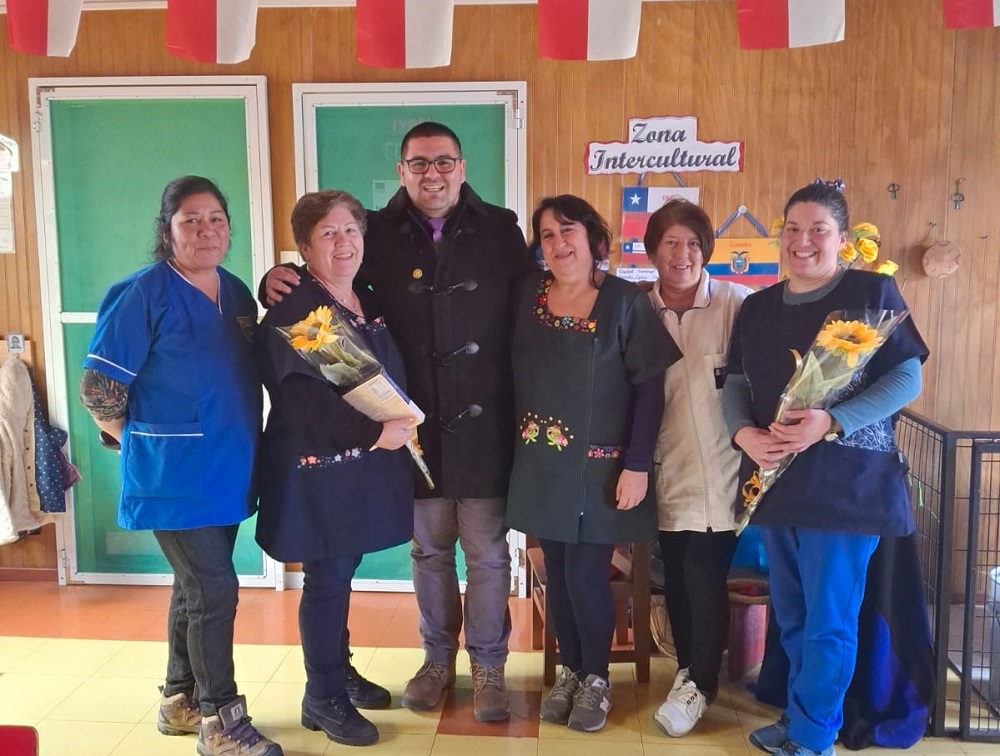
695, 466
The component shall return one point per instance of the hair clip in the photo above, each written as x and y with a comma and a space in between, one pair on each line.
837, 185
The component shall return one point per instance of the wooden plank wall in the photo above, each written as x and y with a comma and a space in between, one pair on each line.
902, 100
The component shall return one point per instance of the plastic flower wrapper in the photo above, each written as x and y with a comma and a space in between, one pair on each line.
841, 349
328, 342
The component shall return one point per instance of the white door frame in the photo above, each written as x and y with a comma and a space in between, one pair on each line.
42, 91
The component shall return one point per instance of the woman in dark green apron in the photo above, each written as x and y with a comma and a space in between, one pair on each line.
589, 357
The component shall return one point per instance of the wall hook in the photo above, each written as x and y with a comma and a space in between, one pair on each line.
958, 198
893, 189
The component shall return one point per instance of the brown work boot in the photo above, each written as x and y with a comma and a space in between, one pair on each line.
230, 733
490, 702
426, 689
179, 714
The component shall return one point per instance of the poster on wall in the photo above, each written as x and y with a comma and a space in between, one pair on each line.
9, 163
638, 203
751, 261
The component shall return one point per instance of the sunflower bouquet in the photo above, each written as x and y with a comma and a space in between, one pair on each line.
328, 342
842, 348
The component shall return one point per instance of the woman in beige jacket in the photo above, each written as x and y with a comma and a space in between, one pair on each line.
695, 465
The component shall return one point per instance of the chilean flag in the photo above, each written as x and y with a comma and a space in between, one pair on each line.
971, 14
588, 29
770, 24
43, 27
211, 31
405, 33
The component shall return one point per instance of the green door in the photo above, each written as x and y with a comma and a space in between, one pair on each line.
110, 159
355, 147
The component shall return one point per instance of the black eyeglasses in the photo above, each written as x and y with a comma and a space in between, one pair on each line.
422, 165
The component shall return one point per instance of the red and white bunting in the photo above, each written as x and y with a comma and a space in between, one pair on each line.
211, 31
588, 29
43, 27
971, 14
405, 33
771, 24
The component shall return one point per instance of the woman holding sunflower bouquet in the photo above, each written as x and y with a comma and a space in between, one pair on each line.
334, 484
822, 519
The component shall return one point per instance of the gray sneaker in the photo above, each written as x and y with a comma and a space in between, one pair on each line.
229, 733
771, 738
591, 705
559, 702
179, 714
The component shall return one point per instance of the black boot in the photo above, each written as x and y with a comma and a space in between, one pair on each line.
339, 720
364, 693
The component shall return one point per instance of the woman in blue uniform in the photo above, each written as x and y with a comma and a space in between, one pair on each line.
823, 518
334, 484
588, 357
170, 374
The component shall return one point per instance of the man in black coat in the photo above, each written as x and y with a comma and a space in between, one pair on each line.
443, 265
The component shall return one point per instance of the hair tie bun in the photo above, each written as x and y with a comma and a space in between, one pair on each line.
838, 184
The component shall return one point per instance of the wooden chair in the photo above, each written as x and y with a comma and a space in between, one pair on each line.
633, 584
18, 740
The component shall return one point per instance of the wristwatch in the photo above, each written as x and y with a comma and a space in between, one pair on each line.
835, 432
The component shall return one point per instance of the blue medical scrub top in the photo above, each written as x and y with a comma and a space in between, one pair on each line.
195, 403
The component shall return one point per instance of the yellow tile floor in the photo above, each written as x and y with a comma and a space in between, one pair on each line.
99, 698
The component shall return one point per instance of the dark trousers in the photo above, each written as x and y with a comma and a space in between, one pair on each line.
695, 569
578, 591
202, 614
323, 608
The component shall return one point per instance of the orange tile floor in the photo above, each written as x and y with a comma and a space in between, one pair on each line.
81, 665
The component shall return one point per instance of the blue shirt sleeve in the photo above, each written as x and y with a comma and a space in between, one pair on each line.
124, 332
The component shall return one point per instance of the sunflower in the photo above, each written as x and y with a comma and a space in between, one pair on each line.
850, 338
314, 331
777, 226
314, 339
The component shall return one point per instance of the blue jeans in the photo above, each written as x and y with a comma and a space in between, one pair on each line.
202, 614
478, 524
817, 584
323, 608
578, 594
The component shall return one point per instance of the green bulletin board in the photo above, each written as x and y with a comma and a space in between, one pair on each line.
111, 159
357, 147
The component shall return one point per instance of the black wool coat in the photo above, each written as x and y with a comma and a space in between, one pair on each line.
437, 302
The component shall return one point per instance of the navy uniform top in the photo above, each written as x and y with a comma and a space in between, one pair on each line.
573, 381
194, 403
323, 491
855, 484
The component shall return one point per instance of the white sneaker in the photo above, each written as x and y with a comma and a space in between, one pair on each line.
683, 675
684, 706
